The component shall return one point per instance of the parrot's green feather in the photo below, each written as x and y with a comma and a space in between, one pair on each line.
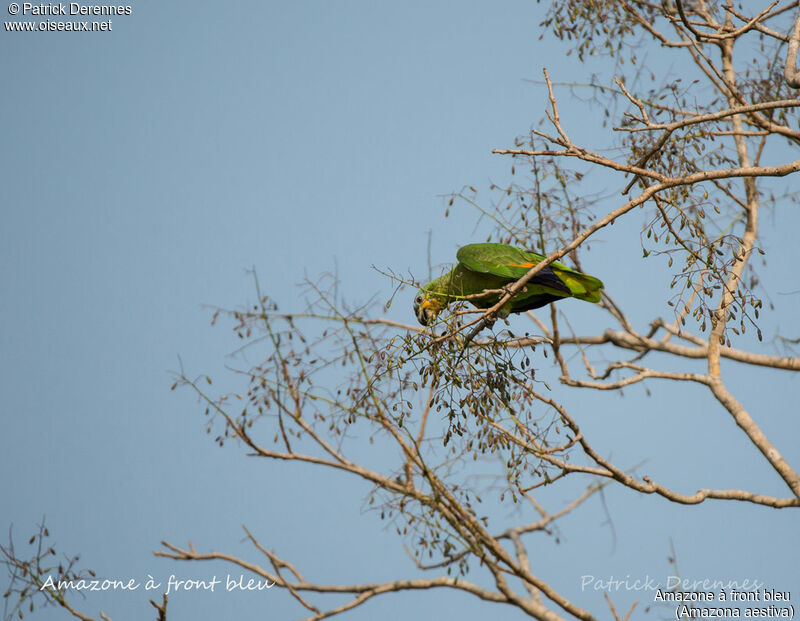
490, 267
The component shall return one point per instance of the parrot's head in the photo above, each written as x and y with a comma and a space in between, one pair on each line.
427, 307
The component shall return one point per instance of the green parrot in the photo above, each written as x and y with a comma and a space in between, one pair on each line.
493, 266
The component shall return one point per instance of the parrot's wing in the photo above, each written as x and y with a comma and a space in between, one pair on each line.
513, 263
497, 259
502, 260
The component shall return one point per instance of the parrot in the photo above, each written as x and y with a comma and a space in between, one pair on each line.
490, 266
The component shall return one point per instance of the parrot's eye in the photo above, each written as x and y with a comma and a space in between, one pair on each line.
418, 300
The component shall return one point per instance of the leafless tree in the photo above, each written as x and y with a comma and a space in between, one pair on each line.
699, 153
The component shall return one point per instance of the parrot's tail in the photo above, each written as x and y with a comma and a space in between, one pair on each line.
583, 286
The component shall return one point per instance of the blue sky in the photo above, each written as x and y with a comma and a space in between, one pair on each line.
143, 171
